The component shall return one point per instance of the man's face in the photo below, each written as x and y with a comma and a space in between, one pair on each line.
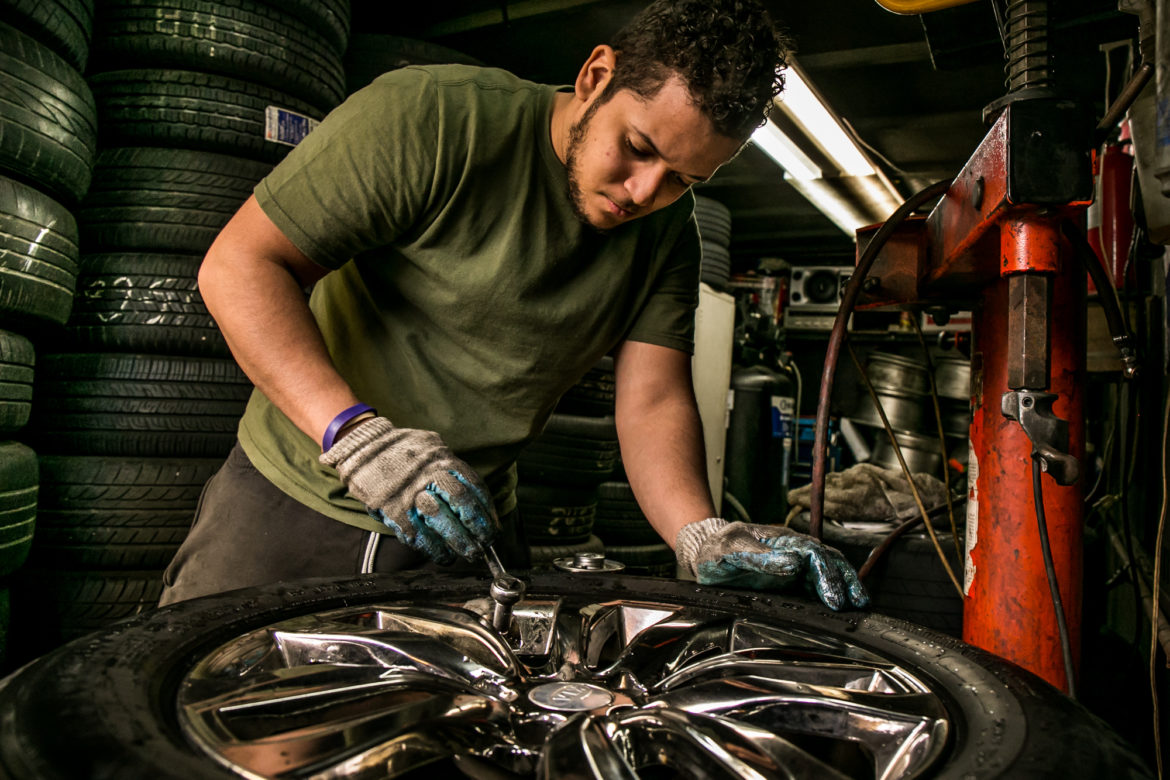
628, 157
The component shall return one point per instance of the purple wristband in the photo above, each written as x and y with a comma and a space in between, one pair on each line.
339, 422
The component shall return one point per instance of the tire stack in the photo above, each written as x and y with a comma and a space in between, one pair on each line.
48, 139
628, 535
715, 235
561, 470
138, 403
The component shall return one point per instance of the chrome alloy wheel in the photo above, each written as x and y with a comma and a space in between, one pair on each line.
576, 688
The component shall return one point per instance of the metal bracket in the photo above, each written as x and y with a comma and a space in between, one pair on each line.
1047, 432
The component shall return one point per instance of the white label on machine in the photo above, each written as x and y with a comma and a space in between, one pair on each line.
972, 519
783, 407
286, 127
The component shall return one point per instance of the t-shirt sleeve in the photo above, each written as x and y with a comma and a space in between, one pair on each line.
363, 177
668, 317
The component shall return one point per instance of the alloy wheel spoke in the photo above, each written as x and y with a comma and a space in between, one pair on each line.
901, 731
711, 747
584, 748
319, 716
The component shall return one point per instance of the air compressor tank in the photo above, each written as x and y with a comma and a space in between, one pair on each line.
760, 442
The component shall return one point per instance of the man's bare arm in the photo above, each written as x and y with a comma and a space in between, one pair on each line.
661, 436
252, 281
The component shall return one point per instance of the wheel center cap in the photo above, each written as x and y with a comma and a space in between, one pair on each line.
569, 696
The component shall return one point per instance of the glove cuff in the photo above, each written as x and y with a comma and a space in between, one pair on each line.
359, 437
690, 539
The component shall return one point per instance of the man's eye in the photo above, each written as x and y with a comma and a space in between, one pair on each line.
636, 151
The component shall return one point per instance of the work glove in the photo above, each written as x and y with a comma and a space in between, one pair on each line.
767, 557
408, 479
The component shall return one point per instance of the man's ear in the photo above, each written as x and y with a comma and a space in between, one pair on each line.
595, 73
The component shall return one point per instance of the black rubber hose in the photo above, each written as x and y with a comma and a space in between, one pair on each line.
1108, 296
1050, 572
837, 337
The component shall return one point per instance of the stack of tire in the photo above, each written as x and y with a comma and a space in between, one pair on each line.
48, 139
138, 403
627, 534
561, 470
714, 221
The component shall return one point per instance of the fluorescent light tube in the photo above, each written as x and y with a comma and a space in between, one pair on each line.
787, 154
801, 105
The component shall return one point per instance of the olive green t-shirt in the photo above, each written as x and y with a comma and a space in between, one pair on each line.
467, 297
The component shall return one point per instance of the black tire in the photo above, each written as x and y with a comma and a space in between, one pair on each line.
164, 200
65, 26
54, 606
116, 513
370, 55
714, 220
910, 581
189, 110
330, 17
239, 38
137, 405
48, 120
593, 395
16, 381
104, 706
38, 256
572, 450
141, 302
647, 560
19, 486
620, 520
556, 515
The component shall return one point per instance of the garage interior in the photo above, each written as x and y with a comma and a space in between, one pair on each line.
119, 397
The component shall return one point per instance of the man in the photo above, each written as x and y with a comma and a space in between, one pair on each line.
476, 243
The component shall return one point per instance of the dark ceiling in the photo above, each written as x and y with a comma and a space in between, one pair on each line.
912, 87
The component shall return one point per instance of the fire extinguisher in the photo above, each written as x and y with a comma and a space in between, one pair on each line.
1110, 218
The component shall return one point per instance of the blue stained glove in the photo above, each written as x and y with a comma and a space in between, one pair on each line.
766, 557
411, 482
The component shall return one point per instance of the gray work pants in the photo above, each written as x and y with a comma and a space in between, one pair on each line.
248, 532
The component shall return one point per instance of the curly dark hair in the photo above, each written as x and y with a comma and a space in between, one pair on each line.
727, 52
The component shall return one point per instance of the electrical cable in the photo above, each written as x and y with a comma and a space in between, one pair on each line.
1050, 572
1157, 592
837, 336
906, 471
942, 436
1107, 454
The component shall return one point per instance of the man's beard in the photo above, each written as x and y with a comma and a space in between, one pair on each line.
573, 188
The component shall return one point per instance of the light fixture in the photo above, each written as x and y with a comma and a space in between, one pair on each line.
800, 104
860, 194
780, 148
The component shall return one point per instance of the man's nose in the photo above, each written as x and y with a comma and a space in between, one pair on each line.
644, 183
